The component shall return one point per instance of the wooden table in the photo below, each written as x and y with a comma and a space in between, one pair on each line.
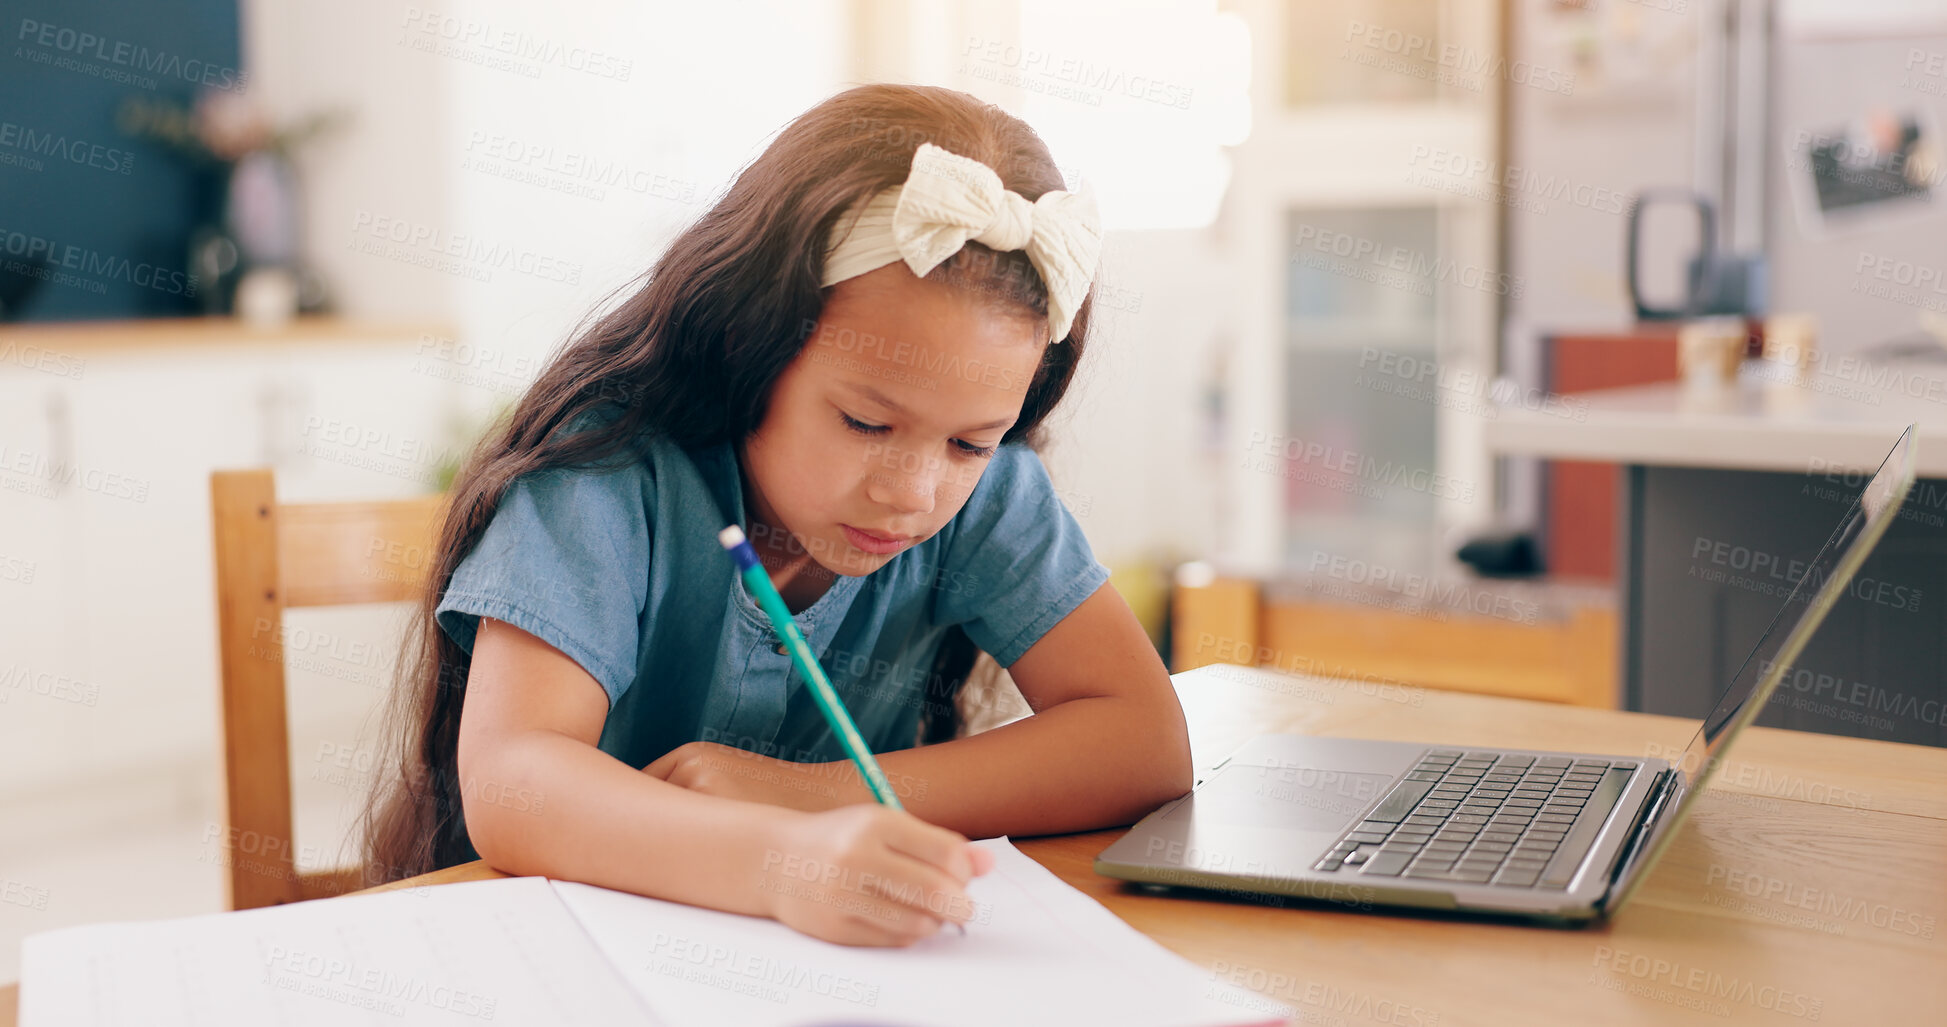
1807, 887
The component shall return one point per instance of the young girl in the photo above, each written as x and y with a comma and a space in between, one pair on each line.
850, 356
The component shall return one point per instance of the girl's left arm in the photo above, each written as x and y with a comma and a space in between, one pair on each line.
1107, 744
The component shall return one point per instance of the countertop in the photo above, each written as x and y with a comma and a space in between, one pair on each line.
1845, 415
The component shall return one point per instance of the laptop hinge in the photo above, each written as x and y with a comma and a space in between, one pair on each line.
1655, 808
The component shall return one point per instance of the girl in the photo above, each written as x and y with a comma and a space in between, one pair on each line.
851, 356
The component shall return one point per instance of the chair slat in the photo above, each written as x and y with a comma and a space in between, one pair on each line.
331, 554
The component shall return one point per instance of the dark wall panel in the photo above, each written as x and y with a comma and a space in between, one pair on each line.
1717, 548
112, 215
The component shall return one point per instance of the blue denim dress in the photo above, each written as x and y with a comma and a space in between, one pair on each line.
621, 571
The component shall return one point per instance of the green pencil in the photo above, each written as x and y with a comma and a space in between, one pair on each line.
821, 687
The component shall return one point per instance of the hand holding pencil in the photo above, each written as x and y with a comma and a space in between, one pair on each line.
869, 875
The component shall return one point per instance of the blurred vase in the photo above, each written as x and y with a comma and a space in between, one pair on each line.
261, 214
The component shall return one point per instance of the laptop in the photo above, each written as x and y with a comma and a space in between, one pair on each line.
1546, 836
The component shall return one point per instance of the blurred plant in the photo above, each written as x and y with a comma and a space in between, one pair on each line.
222, 127
470, 432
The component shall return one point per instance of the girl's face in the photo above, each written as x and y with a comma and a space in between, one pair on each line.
879, 429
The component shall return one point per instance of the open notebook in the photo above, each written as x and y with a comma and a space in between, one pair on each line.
527, 950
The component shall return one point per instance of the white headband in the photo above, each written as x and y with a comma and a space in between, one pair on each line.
948, 199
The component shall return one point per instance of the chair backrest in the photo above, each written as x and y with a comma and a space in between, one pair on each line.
271, 557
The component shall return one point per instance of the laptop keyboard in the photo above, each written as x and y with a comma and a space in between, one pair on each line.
1485, 818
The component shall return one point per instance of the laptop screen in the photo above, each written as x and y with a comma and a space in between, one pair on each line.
1824, 579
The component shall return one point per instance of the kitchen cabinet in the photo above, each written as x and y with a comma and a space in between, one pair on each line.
107, 599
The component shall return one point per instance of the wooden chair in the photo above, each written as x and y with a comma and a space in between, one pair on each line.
271, 557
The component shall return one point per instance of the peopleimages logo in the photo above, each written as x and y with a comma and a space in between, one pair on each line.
935, 363
1703, 984
1518, 183
1756, 567
59, 148
1869, 699
1368, 259
372, 986
94, 265
1439, 595
453, 253
1462, 66
1798, 895
467, 39
759, 975
1031, 63
1354, 464
87, 46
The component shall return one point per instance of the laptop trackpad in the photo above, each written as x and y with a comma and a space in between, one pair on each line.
1303, 798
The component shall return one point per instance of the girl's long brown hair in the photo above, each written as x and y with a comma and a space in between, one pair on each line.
692, 353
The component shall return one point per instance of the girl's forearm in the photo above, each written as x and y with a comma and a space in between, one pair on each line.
544, 803
1084, 764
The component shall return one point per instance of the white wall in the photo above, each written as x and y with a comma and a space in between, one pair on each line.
489, 128
1129, 452
312, 56
708, 87
1130, 456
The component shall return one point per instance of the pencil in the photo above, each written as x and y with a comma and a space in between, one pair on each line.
821, 687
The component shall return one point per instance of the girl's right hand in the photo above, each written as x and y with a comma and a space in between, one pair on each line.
869, 875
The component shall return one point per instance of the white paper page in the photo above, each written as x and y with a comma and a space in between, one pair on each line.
1038, 952
481, 953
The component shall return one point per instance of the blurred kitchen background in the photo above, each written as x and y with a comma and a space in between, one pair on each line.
1365, 264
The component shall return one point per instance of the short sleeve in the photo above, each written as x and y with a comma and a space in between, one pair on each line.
566, 559
1017, 561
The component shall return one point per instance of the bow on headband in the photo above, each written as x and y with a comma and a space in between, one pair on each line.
947, 200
